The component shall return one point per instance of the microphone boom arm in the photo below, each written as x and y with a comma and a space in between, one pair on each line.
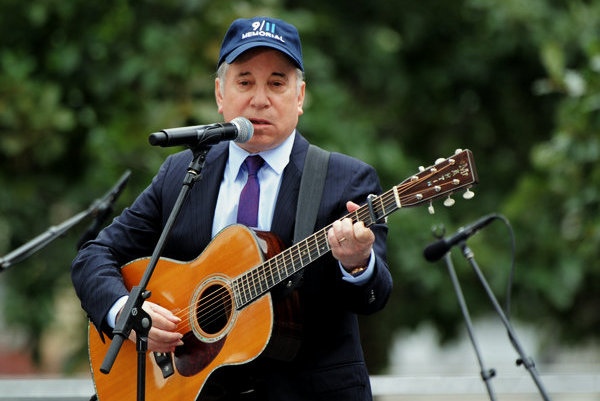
39, 242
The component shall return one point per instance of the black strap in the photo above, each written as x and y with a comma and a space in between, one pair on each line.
311, 191
309, 199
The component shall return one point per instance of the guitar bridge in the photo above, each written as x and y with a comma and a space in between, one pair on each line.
165, 363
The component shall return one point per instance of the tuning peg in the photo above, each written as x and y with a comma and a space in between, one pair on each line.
438, 161
457, 151
449, 201
421, 169
430, 208
468, 194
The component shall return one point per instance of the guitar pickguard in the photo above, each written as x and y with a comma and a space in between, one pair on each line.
194, 355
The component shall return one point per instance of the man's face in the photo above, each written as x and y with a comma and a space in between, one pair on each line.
261, 86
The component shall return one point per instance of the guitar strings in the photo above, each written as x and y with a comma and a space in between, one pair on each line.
210, 307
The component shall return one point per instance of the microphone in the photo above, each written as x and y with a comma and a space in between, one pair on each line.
239, 130
102, 208
436, 250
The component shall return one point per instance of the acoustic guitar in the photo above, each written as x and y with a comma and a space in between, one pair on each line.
223, 297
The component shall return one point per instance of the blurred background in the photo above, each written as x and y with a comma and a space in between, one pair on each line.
397, 84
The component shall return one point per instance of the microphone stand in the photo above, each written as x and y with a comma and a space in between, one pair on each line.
523, 359
486, 374
103, 208
97, 207
132, 315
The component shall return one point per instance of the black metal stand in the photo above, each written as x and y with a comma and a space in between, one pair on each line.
132, 315
100, 207
103, 209
486, 374
524, 360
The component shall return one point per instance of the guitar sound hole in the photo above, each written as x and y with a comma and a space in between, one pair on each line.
214, 309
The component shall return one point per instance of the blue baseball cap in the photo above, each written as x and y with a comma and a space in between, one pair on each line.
245, 34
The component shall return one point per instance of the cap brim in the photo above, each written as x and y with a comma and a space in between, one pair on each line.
230, 58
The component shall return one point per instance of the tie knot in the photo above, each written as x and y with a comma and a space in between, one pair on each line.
253, 164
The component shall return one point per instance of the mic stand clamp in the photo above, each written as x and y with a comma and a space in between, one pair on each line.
524, 360
141, 323
132, 315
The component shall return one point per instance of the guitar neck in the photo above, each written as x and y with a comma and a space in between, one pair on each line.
436, 181
267, 275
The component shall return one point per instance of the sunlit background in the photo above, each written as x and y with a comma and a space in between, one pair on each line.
397, 84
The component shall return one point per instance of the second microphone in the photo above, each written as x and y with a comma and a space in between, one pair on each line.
439, 248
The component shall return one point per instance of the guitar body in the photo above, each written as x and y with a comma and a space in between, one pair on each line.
231, 337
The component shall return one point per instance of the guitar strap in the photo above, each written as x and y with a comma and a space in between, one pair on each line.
309, 198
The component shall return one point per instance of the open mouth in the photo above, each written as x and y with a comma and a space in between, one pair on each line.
257, 121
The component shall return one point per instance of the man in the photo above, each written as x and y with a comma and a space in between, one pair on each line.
260, 77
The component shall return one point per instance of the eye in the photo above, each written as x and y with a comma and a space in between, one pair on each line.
244, 83
278, 84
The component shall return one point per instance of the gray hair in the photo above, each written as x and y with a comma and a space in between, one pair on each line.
222, 72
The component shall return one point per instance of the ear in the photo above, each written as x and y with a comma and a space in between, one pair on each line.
301, 98
218, 95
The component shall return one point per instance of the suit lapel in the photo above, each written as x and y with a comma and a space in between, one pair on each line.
205, 192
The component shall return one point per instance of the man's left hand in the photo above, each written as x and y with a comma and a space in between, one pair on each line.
351, 244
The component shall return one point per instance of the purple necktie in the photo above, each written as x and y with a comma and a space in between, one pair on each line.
248, 205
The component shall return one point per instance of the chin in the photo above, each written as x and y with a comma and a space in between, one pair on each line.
258, 143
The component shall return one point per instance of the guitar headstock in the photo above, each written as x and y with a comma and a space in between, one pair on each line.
442, 179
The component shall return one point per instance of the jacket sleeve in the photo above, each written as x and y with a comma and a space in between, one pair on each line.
353, 180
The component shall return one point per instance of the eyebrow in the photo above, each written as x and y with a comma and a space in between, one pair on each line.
277, 74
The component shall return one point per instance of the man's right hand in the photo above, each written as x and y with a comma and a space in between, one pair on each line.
162, 336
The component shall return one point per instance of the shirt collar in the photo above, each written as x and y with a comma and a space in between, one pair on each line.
276, 158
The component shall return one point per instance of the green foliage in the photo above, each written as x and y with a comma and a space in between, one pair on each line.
563, 270
397, 84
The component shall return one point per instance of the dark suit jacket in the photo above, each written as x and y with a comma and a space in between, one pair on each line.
330, 364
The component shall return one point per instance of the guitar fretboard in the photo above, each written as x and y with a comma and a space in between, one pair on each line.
267, 275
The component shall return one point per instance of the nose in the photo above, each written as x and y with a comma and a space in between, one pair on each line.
260, 97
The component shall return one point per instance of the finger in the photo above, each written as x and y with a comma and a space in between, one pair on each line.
165, 313
351, 206
161, 318
160, 340
347, 231
163, 346
337, 228
363, 234
332, 238
164, 336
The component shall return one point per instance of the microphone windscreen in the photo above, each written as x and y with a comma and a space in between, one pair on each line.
157, 138
245, 129
435, 251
